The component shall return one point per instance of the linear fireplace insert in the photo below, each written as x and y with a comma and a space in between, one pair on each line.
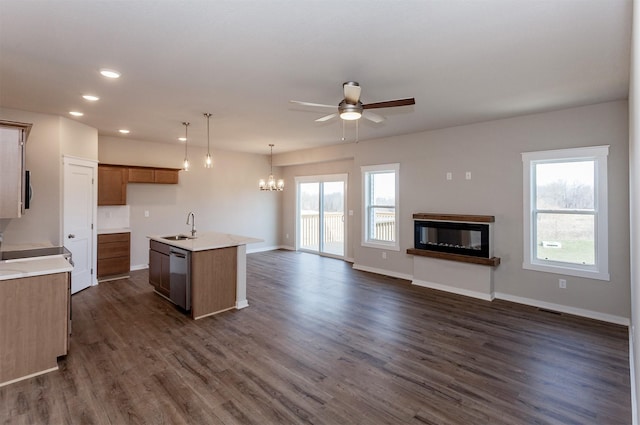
453, 237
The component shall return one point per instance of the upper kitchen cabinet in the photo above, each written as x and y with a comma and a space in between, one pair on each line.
13, 137
153, 175
113, 179
112, 185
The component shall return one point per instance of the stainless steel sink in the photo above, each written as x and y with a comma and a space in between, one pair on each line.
177, 237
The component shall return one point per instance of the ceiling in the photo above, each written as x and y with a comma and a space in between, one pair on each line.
464, 61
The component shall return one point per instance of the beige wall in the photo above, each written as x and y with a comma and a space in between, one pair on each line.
224, 199
51, 136
491, 152
634, 200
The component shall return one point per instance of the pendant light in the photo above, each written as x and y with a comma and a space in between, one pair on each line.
208, 161
271, 183
185, 166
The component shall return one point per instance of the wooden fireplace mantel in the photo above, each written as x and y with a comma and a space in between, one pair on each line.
455, 217
493, 261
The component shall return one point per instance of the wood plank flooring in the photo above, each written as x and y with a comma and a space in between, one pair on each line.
322, 343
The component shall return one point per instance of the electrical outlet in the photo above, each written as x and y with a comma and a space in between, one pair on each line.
384, 255
562, 283
449, 175
287, 236
146, 213
467, 175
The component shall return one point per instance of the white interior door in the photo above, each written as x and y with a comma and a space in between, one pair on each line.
79, 212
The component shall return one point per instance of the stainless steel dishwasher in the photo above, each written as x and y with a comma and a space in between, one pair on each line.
180, 277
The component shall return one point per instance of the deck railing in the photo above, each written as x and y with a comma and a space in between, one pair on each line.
334, 227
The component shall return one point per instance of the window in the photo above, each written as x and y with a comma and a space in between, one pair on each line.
565, 212
380, 206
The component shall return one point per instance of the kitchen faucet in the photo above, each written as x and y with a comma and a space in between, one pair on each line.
192, 216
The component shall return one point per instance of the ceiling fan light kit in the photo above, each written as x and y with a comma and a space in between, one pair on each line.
350, 112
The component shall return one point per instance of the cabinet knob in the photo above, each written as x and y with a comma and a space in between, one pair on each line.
71, 236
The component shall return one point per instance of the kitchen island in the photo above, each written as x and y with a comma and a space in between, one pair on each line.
34, 316
204, 275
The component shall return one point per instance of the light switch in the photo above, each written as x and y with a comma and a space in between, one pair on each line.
467, 175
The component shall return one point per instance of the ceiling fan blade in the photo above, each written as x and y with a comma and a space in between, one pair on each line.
326, 117
372, 117
351, 92
390, 103
319, 105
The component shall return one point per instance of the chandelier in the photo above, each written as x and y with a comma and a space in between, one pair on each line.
271, 183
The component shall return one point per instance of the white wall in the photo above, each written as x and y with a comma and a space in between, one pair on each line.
224, 199
51, 136
634, 201
491, 152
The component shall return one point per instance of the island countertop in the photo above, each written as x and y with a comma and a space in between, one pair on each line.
207, 240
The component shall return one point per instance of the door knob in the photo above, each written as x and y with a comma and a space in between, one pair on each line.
71, 236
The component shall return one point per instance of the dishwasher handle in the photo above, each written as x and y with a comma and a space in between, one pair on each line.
178, 254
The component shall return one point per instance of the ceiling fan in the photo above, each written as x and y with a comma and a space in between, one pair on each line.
351, 108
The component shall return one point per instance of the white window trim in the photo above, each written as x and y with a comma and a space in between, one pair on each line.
600, 270
371, 243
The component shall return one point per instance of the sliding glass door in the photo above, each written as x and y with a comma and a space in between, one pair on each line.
321, 222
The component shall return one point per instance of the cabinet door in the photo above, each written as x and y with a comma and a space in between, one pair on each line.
155, 269
159, 271
112, 185
166, 176
11, 173
141, 175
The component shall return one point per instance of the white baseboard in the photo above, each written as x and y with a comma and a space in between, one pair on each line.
242, 304
454, 290
139, 267
261, 249
270, 248
382, 272
618, 320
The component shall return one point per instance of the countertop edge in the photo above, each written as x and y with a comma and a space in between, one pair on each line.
111, 231
207, 241
35, 266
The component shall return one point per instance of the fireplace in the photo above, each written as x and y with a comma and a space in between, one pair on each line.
454, 237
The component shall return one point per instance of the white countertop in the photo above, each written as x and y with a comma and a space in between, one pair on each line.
111, 231
34, 266
207, 240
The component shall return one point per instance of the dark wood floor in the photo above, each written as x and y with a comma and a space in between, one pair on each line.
324, 344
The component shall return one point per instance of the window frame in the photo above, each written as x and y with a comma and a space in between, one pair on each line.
598, 154
367, 171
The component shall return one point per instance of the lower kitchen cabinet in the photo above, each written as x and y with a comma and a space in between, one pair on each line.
159, 267
114, 254
34, 325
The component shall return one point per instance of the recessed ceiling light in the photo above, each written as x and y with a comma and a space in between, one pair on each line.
182, 139
110, 73
90, 97
76, 113
124, 131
